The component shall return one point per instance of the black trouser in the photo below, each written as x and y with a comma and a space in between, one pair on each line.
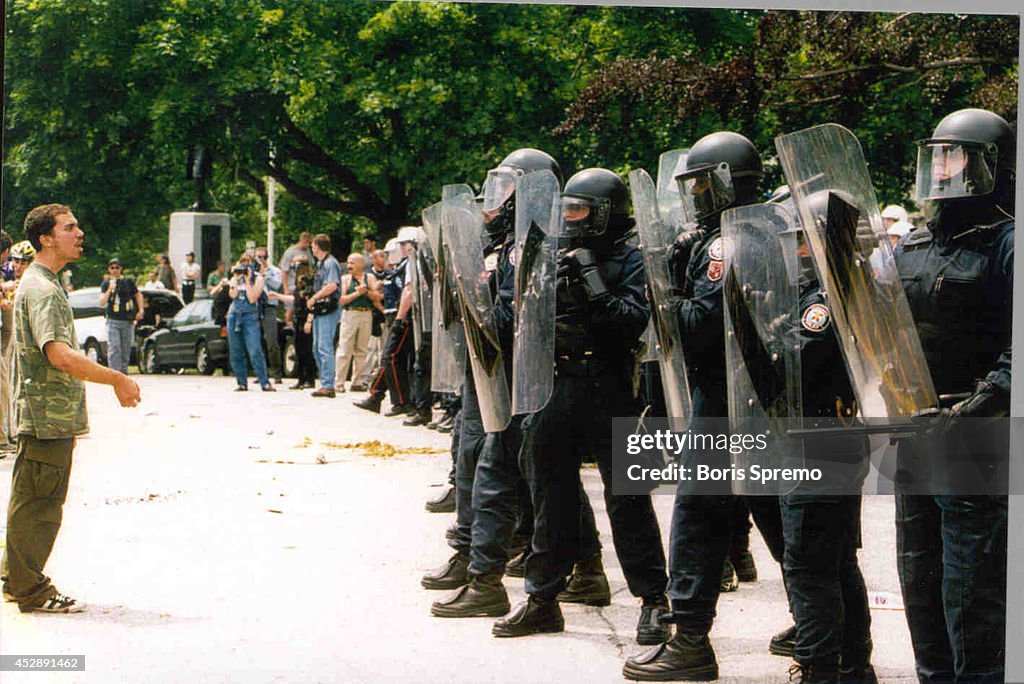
453, 405
702, 528
469, 427
188, 291
393, 376
503, 511
305, 363
421, 395
951, 556
577, 422
271, 345
826, 590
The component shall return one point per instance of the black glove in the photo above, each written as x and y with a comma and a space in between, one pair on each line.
579, 265
399, 325
988, 401
682, 250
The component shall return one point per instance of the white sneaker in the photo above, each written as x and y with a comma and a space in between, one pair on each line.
58, 604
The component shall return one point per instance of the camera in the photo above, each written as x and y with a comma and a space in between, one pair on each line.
243, 270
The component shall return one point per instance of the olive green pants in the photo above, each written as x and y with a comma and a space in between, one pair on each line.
38, 489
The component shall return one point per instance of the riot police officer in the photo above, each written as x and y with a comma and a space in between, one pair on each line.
491, 499
722, 170
958, 277
821, 520
601, 313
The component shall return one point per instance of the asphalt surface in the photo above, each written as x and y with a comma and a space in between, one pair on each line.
227, 537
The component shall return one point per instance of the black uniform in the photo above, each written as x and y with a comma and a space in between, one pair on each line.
702, 524
958, 277
821, 526
594, 345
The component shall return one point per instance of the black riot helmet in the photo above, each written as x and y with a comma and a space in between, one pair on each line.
499, 196
971, 153
722, 170
595, 203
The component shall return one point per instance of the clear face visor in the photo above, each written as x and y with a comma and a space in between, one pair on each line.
583, 216
947, 169
708, 189
498, 188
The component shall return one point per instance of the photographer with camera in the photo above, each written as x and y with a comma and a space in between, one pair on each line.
246, 287
123, 306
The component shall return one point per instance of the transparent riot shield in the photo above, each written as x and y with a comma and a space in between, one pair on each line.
462, 227
827, 174
656, 237
533, 345
448, 348
421, 269
762, 341
670, 201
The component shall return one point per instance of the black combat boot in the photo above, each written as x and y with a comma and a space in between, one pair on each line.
587, 584
783, 643
418, 418
814, 673
535, 615
686, 657
650, 630
444, 503
451, 575
370, 403
743, 562
484, 596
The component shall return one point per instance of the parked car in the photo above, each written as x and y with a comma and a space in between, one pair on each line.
193, 339
91, 326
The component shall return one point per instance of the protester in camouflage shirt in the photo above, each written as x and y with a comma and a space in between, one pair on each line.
49, 409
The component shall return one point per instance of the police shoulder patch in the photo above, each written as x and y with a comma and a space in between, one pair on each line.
816, 317
715, 270
715, 250
491, 261
513, 256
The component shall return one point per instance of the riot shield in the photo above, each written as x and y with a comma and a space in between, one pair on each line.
533, 345
421, 269
462, 227
762, 340
448, 351
671, 205
827, 174
656, 237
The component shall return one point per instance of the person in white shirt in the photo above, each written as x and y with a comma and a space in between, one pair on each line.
188, 274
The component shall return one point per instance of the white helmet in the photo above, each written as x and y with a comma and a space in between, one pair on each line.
394, 251
900, 228
409, 234
895, 212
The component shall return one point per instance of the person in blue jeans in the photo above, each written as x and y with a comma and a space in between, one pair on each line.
326, 312
244, 326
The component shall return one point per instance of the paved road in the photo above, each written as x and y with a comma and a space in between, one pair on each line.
212, 546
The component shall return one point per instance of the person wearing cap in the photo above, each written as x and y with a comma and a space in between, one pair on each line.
897, 230
123, 307
189, 275
894, 213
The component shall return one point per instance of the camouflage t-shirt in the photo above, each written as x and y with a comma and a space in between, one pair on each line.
49, 403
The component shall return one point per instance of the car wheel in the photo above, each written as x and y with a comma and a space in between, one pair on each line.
203, 364
94, 352
289, 359
149, 360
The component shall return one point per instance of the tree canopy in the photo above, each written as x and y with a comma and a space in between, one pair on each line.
362, 110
